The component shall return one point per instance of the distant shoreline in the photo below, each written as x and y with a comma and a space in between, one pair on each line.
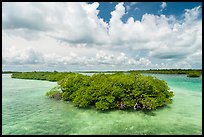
155, 71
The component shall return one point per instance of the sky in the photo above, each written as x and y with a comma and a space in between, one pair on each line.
77, 36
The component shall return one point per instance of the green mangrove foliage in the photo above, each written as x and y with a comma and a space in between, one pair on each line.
49, 76
114, 91
106, 91
55, 93
194, 74
169, 71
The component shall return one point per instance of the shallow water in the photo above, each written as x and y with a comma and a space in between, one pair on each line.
26, 110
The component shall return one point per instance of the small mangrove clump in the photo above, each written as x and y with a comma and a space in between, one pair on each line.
113, 91
55, 93
193, 74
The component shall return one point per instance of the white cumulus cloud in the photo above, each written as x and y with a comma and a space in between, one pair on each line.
69, 33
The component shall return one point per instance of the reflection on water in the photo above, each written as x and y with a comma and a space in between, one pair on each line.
26, 110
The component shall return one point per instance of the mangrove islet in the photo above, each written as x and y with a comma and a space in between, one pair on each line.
106, 91
194, 74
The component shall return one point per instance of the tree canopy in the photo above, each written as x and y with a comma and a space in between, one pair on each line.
115, 91
106, 91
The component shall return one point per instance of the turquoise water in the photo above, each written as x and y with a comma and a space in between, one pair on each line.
26, 110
